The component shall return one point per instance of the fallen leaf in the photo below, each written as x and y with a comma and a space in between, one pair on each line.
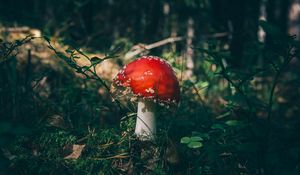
76, 152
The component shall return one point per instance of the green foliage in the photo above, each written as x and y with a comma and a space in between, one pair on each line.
192, 142
240, 134
9, 49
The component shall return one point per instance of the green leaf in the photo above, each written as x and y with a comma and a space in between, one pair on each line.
185, 140
217, 126
79, 70
232, 122
202, 135
196, 139
96, 59
202, 84
69, 50
223, 115
195, 145
85, 68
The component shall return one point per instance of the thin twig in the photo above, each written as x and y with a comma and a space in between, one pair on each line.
139, 50
14, 46
93, 75
275, 82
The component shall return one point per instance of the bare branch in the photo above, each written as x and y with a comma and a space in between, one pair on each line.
142, 48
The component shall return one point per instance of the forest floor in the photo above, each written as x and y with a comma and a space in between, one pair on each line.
62, 122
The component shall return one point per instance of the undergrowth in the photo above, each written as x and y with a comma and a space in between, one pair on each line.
228, 120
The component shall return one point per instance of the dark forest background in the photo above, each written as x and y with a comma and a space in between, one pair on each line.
237, 63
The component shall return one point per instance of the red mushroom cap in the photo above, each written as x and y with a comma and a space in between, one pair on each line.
150, 77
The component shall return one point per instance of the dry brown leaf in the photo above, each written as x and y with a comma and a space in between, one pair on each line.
76, 152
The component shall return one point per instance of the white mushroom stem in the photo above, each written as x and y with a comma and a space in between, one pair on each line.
145, 128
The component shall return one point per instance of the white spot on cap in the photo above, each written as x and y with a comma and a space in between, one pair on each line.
150, 90
148, 73
141, 78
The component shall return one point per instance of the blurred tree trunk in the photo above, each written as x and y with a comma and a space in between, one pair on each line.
189, 50
294, 14
241, 21
87, 17
243, 17
174, 30
154, 17
277, 13
262, 16
166, 12
166, 27
237, 18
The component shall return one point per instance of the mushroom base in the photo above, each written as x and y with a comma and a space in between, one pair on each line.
145, 128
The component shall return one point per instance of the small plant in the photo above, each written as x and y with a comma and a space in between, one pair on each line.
192, 142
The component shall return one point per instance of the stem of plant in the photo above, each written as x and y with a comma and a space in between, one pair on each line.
145, 128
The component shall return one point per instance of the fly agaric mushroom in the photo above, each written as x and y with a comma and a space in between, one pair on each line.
152, 81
